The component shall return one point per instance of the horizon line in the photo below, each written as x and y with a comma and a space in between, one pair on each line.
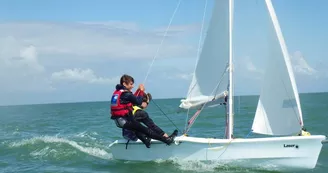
90, 101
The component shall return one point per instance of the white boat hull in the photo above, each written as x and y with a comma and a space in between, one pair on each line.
291, 153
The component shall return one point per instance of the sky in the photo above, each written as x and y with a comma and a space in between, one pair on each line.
73, 51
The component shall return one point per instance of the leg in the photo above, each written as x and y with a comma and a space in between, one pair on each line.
150, 123
136, 126
143, 138
130, 134
142, 116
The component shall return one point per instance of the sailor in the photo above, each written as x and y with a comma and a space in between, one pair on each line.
121, 109
140, 115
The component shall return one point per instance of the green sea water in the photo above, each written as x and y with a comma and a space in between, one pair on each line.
74, 137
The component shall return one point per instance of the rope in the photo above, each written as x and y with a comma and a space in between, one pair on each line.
157, 52
202, 107
177, 111
199, 45
198, 54
186, 123
176, 9
248, 134
225, 147
166, 115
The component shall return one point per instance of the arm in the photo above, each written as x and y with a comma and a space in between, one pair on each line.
129, 97
139, 93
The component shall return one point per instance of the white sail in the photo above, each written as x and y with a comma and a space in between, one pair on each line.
278, 111
210, 78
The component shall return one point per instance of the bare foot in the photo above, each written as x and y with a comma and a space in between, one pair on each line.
165, 135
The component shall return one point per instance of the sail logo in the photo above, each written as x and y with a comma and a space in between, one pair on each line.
290, 146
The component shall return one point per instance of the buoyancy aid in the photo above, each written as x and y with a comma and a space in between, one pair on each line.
117, 108
135, 109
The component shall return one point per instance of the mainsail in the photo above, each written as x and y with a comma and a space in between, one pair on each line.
210, 79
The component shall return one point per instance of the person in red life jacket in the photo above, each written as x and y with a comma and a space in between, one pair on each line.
142, 116
121, 110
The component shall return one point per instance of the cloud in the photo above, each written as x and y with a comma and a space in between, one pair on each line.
40, 56
14, 56
300, 65
179, 76
178, 30
130, 26
249, 65
82, 75
185, 76
173, 69
246, 69
29, 57
57, 57
20, 68
110, 40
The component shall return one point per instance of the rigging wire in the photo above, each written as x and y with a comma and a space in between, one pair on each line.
198, 54
156, 55
167, 28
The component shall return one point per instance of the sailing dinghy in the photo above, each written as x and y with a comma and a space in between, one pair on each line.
278, 113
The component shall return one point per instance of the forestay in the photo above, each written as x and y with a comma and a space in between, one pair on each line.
210, 79
278, 111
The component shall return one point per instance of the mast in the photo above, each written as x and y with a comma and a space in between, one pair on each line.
230, 117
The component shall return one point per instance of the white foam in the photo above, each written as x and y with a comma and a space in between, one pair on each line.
85, 134
43, 152
197, 166
210, 166
97, 152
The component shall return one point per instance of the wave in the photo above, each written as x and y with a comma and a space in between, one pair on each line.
94, 151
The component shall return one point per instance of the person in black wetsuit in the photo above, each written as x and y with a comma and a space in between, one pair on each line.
121, 110
142, 116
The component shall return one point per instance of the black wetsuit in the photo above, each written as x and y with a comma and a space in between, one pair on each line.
143, 117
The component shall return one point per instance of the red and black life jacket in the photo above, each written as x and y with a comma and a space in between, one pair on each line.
117, 108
